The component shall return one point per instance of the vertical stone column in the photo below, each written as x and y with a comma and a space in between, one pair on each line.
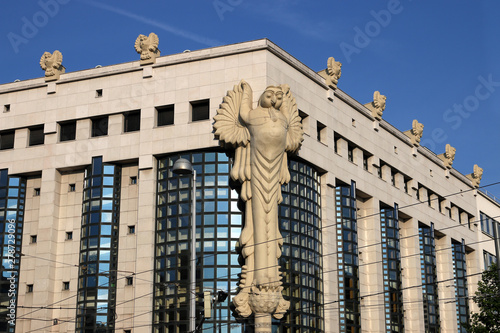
446, 289
145, 233
330, 279
370, 270
46, 286
411, 276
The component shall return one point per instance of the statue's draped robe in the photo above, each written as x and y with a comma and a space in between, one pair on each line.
267, 150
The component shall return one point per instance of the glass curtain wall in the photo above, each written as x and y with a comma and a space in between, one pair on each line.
301, 259
12, 200
218, 227
391, 257
348, 264
219, 223
429, 278
461, 293
98, 248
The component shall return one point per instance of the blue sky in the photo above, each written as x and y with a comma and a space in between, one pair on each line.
437, 61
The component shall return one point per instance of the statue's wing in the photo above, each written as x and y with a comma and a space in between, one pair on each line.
295, 133
137, 44
231, 131
154, 41
58, 58
228, 126
42, 60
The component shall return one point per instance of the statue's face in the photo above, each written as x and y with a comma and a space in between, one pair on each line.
272, 97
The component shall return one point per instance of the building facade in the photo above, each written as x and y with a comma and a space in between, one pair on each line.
380, 234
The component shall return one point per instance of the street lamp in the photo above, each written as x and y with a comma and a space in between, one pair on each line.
184, 167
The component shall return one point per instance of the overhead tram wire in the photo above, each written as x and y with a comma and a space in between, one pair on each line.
367, 216
307, 232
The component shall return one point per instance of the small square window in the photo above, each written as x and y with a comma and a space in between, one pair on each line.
353, 122
133, 180
36, 136
132, 121
33, 239
36, 192
99, 126
6, 140
67, 131
127, 331
29, 288
69, 235
66, 285
130, 280
6, 108
98, 93
200, 110
165, 115
131, 229
71, 188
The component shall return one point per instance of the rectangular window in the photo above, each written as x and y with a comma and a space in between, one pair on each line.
393, 177
365, 161
67, 131
99, 126
6, 108
29, 288
36, 192
69, 235
131, 229
98, 93
66, 285
350, 153
488, 259
487, 224
200, 110
165, 115
6, 140
321, 132
33, 239
132, 121
71, 188
130, 280
133, 180
36, 136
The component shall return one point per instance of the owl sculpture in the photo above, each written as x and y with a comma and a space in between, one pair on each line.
52, 65
261, 137
147, 47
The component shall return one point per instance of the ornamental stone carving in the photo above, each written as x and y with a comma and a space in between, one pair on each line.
448, 156
261, 137
147, 47
377, 107
52, 65
416, 132
476, 176
332, 72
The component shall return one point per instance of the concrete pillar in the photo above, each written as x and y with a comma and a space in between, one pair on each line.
371, 279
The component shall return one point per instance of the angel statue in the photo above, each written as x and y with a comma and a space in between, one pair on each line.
261, 136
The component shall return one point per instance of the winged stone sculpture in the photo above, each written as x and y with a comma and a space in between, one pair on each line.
448, 156
416, 132
334, 71
52, 65
147, 47
377, 107
476, 176
261, 137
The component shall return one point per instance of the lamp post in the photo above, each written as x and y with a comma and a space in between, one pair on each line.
184, 167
